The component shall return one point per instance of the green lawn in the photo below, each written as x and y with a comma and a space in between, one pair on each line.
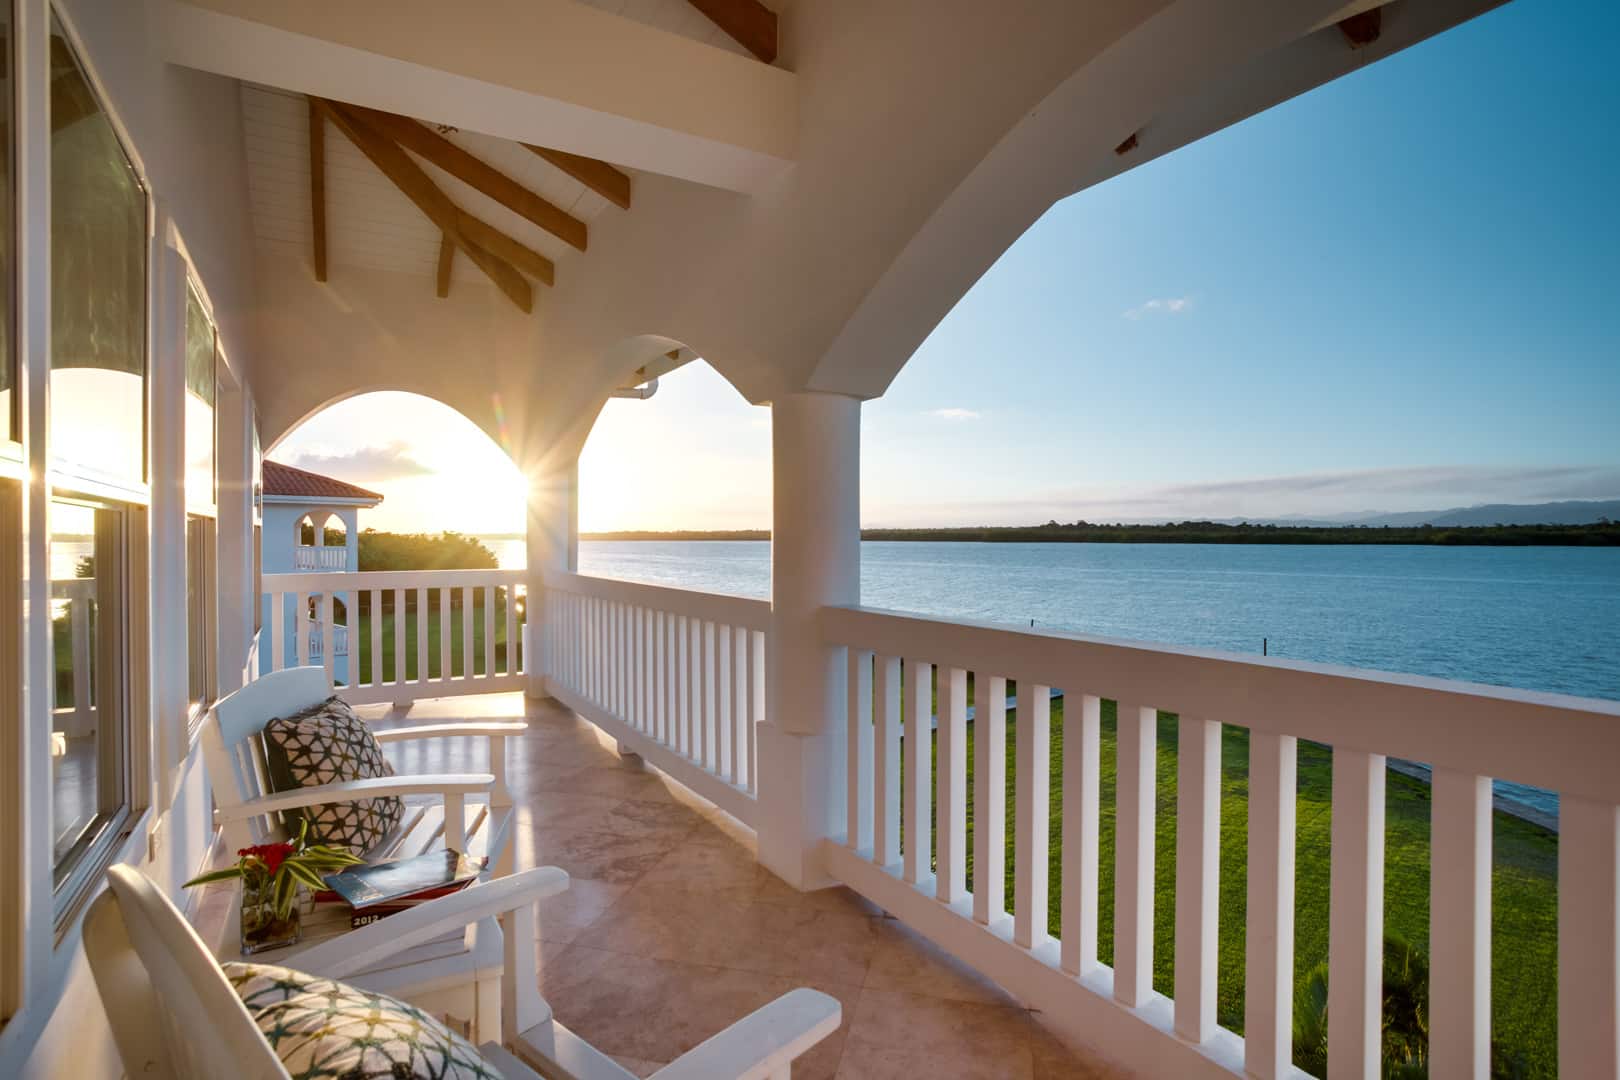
360, 639
1524, 898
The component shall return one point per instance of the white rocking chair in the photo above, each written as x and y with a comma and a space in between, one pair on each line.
248, 812
174, 1013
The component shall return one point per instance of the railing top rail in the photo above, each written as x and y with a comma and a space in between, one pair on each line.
390, 579
1565, 743
719, 607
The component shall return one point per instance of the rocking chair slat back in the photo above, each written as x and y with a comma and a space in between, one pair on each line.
233, 744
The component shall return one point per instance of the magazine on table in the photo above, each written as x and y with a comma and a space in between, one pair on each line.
397, 883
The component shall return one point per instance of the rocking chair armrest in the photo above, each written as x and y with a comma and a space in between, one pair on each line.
362, 948
763, 1043
353, 790
494, 729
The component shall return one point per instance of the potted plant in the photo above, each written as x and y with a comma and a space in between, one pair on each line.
271, 876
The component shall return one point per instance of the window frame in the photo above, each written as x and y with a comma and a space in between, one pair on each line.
202, 620
99, 847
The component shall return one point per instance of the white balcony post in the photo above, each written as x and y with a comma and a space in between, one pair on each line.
815, 562
552, 544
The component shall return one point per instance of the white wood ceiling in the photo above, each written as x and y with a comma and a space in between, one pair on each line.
369, 222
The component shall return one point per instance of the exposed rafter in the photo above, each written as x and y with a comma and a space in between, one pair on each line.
418, 138
1363, 28
748, 22
447, 257
602, 178
417, 186
317, 185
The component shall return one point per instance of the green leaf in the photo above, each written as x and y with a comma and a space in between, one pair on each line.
226, 874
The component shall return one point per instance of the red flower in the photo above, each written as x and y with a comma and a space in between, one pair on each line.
271, 855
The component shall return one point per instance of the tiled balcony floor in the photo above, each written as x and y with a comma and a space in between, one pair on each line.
670, 930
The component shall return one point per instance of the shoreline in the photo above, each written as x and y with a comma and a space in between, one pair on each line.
1600, 535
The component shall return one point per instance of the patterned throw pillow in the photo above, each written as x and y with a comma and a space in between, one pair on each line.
325, 1030
327, 744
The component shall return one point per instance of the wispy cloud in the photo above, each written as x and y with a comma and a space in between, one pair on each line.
394, 461
954, 414
1324, 495
1171, 305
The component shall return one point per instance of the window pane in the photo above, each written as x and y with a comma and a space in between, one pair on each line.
88, 783
199, 403
8, 239
98, 282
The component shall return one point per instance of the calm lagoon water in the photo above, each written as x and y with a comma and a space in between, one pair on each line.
1535, 618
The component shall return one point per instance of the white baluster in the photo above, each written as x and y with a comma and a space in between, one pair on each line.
1032, 844
757, 713
327, 651
489, 631
553, 638
1268, 1014
739, 699
706, 732
756, 704
303, 647
951, 799
989, 797
1460, 926
1198, 874
467, 632
447, 625
1588, 938
722, 701
1082, 761
918, 780
858, 834
1133, 873
422, 672
399, 637
279, 659
886, 764
1356, 916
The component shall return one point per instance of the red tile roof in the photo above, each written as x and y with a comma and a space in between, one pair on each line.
285, 480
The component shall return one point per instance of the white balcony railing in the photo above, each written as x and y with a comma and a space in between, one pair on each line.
78, 718
320, 558
676, 676
1468, 733
399, 635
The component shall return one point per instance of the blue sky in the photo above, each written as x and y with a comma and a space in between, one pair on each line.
1395, 292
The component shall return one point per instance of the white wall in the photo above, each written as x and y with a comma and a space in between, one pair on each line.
186, 132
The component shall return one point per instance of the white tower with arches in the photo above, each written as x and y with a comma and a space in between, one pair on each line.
312, 525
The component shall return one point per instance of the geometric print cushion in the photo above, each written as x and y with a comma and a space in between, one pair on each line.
325, 1030
327, 744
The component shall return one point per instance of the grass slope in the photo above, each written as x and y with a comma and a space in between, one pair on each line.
1524, 893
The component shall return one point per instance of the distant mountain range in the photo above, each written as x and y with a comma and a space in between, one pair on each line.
1584, 512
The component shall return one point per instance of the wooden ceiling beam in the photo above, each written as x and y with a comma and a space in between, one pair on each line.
494, 241
418, 138
447, 258
417, 186
602, 178
317, 185
747, 22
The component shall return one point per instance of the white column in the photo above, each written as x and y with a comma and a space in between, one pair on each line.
166, 456
815, 562
552, 544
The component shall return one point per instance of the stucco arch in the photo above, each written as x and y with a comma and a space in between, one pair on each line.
1189, 70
